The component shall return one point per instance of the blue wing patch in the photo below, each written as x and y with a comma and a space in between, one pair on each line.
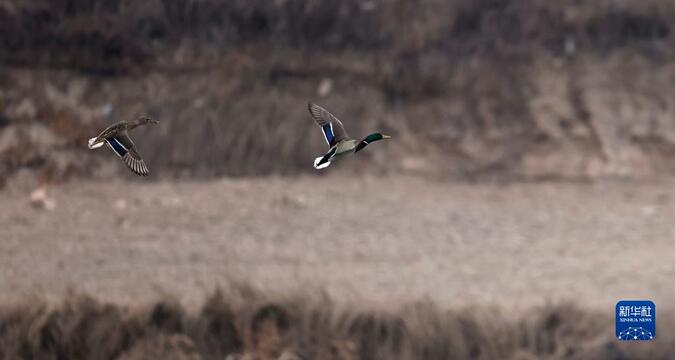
328, 133
117, 146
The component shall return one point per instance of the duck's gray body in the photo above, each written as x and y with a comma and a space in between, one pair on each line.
345, 147
342, 148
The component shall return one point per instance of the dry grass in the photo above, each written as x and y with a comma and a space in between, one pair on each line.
109, 36
469, 88
247, 325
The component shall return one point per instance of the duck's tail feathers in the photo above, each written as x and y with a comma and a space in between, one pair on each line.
318, 165
93, 144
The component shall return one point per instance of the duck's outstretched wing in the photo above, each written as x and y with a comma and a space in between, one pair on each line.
122, 145
134, 162
332, 127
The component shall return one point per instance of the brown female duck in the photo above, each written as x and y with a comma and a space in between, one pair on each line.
117, 137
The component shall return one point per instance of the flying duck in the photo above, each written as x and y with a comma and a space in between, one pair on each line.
339, 142
117, 137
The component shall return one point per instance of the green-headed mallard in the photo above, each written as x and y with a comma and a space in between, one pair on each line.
339, 142
117, 137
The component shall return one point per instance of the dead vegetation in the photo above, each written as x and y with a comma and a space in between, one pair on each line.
247, 325
471, 89
93, 35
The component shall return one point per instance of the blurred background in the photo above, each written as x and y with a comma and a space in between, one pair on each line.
526, 190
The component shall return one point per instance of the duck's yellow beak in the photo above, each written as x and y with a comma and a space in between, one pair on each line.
386, 137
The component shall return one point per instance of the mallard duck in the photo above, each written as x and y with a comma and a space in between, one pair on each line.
339, 142
117, 137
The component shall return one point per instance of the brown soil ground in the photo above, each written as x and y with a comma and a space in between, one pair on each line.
385, 240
